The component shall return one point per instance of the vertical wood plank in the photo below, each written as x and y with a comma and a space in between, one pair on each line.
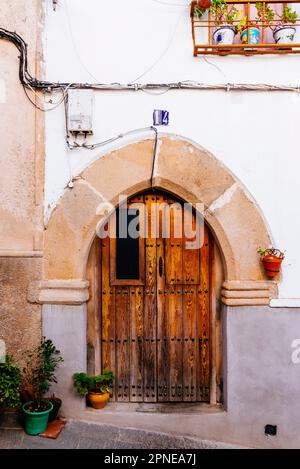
122, 339
150, 313
216, 324
214, 331
174, 270
203, 387
108, 316
163, 360
136, 344
190, 252
191, 274
137, 318
174, 300
191, 269
175, 343
190, 346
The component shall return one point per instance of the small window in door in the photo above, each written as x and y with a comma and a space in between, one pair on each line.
127, 249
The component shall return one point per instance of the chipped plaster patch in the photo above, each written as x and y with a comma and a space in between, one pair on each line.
2, 92
51, 206
159, 145
224, 199
93, 189
48, 212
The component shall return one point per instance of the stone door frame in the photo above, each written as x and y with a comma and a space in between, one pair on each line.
183, 169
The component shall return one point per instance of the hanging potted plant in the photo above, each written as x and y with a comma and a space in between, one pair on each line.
265, 14
10, 382
272, 259
97, 388
223, 17
38, 375
284, 32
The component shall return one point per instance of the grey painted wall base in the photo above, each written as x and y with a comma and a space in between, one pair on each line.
262, 384
66, 326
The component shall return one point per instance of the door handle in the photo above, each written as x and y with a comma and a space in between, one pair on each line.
161, 266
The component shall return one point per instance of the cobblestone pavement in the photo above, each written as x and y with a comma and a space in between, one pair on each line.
83, 435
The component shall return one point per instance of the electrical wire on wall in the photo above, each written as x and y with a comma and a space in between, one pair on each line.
75, 47
30, 82
33, 85
166, 50
85, 146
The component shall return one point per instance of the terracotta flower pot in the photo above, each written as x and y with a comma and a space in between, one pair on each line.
272, 265
98, 401
204, 3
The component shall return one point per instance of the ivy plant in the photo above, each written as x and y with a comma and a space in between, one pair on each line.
10, 382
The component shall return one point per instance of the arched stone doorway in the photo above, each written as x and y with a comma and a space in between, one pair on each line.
153, 314
183, 169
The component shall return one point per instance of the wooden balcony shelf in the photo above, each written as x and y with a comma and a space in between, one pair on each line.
203, 29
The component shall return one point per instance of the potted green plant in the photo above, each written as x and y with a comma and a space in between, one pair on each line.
243, 26
265, 16
97, 388
284, 32
38, 375
272, 259
224, 17
10, 382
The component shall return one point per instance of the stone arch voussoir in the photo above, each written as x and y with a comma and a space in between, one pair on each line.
184, 169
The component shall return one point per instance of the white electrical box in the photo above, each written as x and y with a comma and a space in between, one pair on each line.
80, 111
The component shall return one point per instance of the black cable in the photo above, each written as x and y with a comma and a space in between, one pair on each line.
154, 156
25, 77
30, 82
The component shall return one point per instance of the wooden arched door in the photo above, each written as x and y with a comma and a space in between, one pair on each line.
155, 309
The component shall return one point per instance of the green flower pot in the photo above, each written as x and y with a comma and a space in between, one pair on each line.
36, 422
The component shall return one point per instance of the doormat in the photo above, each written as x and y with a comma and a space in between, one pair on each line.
53, 430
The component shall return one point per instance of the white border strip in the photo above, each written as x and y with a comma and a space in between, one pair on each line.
285, 303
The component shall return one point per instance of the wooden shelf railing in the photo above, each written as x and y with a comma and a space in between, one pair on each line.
203, 29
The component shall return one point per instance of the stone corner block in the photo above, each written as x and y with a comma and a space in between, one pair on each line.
248, 292
64, 292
